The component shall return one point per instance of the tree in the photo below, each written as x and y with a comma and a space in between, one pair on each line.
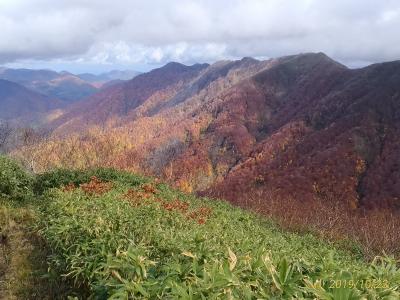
29, 148
5, 133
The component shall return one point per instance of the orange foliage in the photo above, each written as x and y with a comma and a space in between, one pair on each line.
69, 187
201, 215
137, 198
148, 188
176, 205
96, 187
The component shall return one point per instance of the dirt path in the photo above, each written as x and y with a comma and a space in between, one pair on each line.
23, 267
19, 255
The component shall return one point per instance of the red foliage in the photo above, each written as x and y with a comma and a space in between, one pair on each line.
201, 214
134, 197
137, 198
176, 205
69, 187
149, 188
96, 187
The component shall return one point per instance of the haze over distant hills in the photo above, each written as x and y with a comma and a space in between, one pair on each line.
19, 104
64, 85
109, 76
301, 126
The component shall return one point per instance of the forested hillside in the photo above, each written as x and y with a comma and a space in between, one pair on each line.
299, 127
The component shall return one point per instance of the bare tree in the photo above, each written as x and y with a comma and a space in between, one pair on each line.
5, 133
164, 155
29, 146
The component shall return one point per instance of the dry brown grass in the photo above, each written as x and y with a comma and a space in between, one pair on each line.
375, 231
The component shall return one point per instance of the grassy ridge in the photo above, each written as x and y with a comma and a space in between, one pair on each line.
125, 239
115, 235
23, 258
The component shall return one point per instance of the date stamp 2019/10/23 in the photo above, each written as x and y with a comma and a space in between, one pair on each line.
359, 284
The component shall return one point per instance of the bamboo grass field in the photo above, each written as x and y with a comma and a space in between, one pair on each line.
114, 235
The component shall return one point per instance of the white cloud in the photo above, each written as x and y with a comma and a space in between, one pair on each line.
153, 32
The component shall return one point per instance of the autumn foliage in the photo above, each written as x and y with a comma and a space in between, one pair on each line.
96, 187
148, 195
303, 131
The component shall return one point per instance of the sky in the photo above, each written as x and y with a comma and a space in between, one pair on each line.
100, 35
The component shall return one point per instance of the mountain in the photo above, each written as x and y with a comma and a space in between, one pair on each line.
103, 78
120, 74
19, 103
63, 85
119, 100
302, 127
27, 75
331, 134
66, 87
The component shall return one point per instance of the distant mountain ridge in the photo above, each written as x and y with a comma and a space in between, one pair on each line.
109, 76
19, 104
120, 100
63, 85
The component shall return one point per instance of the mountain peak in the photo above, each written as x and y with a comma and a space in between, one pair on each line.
175, 65
316, 57
249, 59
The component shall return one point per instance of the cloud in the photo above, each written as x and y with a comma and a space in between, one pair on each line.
156, 31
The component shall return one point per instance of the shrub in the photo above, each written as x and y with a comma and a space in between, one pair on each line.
58, 178
15, 183
63, 177
151, 242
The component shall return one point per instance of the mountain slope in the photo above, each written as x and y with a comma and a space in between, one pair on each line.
119, 100
64, 85
338, 145
302, 126
18, 102
103, 78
